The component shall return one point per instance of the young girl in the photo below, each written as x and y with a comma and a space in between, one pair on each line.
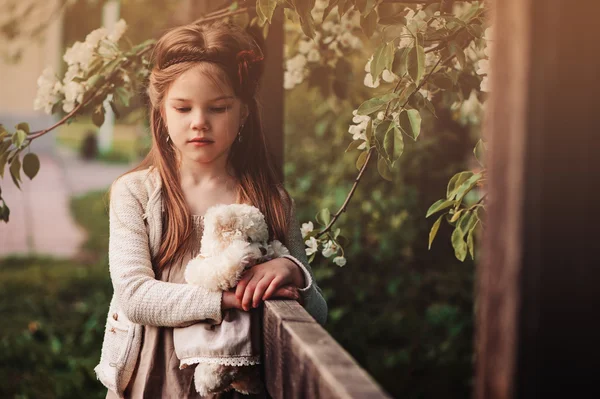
208, 148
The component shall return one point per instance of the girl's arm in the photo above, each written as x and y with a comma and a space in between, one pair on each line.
143, 299
314, 303
262, 281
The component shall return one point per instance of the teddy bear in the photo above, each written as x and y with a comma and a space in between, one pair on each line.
234, 238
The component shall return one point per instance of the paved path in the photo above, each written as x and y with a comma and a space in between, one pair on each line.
40, 219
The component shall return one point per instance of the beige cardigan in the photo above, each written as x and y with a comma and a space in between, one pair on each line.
140, 299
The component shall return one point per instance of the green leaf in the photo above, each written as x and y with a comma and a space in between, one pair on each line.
416, 63
374, 104
479, 152
429, 106
15, 170
368, 23
362, 158
398, 144
123, 96
410, 123
265, 9
467, 186
3, 159
382, 59
343, 7
434, 230
23, 126
31, 165
459, 245
323, 217
18, 138
455, 183
388, 141
304, 8
330, 6
438, 206
456, 50
456, 216
470, 243
383, 169
354, 145
369, 133
98, 115
4, 213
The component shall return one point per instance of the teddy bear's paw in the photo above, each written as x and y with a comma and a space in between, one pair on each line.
213, 378
248, 381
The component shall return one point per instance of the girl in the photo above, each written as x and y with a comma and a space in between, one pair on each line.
207, 149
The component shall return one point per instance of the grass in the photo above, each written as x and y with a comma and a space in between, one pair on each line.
53, 312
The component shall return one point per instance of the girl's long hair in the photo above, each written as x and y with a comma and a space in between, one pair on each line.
230, 55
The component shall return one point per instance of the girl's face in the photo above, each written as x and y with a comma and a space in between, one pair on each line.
202, 116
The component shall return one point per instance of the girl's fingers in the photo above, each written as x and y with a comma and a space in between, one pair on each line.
249, 292
288, 292
272, 288
241, 286
262, 285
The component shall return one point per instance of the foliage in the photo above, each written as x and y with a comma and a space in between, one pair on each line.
54, 313
420, 52
405, 313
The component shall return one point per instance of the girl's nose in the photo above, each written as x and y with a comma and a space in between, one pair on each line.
199, 121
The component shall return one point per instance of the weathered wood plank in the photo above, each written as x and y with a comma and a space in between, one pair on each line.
303, 361
538, 282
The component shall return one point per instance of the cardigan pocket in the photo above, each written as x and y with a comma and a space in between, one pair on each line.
118, 340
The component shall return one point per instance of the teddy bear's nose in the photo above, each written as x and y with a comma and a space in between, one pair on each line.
263, 251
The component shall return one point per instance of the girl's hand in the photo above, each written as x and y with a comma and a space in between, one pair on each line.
263, 281
230, 301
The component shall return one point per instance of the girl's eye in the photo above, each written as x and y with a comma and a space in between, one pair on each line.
220, 109
182, 109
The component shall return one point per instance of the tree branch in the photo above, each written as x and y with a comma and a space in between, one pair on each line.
350, 194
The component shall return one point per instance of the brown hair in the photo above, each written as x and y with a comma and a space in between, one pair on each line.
217, 47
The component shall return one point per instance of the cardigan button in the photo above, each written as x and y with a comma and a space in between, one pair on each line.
116, 316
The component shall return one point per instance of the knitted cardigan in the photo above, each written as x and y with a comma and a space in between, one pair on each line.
140, 299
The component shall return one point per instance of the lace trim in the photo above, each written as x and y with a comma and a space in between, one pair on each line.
226, 361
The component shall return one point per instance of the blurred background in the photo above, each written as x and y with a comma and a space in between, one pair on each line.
404, 312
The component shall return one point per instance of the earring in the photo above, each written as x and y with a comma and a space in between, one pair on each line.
168, 138
240, 133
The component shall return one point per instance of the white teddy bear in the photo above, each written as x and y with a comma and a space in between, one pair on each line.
235, 238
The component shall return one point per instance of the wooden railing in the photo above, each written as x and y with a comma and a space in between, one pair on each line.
303, 361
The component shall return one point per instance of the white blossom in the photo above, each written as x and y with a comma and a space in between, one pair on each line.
312, 246
369, 82
48, 91
339, 260
94, 37
313, 55
483, 67
305, 46
118, 31
306, 228
388, 76
329, 249
485, 85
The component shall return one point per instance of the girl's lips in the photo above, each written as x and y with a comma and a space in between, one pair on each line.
200, 143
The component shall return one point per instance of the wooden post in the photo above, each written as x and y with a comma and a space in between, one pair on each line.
538, 279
